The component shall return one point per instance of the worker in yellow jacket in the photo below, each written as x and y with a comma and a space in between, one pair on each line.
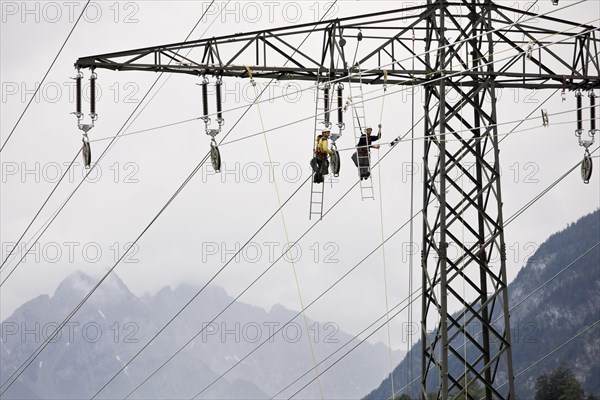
320, 162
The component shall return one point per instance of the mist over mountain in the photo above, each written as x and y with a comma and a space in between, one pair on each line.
547, 319
114, 324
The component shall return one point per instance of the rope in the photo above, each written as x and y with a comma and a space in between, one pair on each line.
512, 218
210, 280
368, 327
248, 288
411, 229
317, 298
384, 93
385, 283
320, 296
285, 229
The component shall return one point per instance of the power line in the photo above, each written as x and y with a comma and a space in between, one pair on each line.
245, 290
199, 291
32, 357
107, 148
424, 137
419, 84
518, 213
53, 218
109, 145
181, 348
559, 347
45, 75
40, 209
22, 368
385, 315
325, 82
548, 281
312, 116
227, 263
334, 81
342, 149
513, 217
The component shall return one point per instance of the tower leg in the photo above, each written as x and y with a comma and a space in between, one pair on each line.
463, 259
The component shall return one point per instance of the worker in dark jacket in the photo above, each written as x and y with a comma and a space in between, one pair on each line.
362, 155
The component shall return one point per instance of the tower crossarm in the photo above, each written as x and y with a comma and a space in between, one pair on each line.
531, 51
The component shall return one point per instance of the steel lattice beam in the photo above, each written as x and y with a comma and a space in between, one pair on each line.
466, 49
385, 35
463, 212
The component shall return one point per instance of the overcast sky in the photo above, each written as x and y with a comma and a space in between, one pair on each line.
215, 212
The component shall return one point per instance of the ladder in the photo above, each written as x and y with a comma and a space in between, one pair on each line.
317, 190
359, 124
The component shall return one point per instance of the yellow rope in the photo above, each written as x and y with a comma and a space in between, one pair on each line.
287, 238
387, 307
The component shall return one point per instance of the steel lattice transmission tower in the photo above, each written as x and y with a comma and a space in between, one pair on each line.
462, 206
465, 51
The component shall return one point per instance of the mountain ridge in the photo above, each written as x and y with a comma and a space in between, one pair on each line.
548, 318
114, 323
